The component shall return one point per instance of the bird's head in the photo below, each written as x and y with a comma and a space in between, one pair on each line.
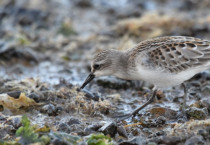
103, 64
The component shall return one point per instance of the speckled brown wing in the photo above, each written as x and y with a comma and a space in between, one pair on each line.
176, 54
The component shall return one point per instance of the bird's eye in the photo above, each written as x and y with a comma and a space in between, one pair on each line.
96, 66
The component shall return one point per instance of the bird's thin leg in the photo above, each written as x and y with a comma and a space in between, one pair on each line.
151, 99
185, 97
122, 117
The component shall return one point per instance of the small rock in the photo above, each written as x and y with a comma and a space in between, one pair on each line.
64, 127
136, 131
88, 131
1, 109
73, 121
122, 132
109, 128
161, 120
195, 140
84, 3
195, 113
147, 130
49, 109
16, 122
206, 103
8, 129
59, 109
95, 127
2, 117
135, 141
151, 143
204, 132
35, 97
60, 142
181, 118
92, 96
14, 94
156, 134
77, 128
160, 133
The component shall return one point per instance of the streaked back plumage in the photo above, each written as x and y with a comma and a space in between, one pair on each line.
173, 54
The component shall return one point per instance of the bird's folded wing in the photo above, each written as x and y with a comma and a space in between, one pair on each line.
176, 54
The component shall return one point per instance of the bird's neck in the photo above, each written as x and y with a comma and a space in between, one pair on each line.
121, 65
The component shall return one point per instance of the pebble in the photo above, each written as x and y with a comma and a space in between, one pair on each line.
73, 121
35, 97
50, 109
195, 113
59, 142
204, 132
92, 96
122, 132
95, 127
14, 94
195, 140
109, 128
64, 127
206, 103
16, 122
161, 120
135, 141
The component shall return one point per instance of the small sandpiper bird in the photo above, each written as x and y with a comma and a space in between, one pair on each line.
163, 61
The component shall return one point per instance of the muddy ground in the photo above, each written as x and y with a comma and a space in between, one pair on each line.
45, 53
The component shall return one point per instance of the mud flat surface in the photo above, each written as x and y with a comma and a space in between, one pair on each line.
45, 52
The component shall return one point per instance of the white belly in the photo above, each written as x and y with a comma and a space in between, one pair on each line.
163, 80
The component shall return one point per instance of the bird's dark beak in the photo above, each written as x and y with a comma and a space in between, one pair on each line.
90, 77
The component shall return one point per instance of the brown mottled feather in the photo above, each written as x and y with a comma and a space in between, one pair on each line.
173, 54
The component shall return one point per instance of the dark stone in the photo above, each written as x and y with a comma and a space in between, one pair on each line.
16, 122
14, 94
49, 109
135, 141
59, 109
73, 121
160, 133
88, 131
206, 103
147, 130
95, 127
135, 131
195, 113
205, 133
21, 54
168, 140
35, 97
109, 128
122, 132
1, 109
59, 142
77, 128
84, 3
2, 118
161, 120
195, 140
92, 96
8, 129
64, 127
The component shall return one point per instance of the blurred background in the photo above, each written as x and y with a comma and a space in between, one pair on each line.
46, 47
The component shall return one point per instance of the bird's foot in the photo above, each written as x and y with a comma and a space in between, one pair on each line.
182, 116
123, 117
